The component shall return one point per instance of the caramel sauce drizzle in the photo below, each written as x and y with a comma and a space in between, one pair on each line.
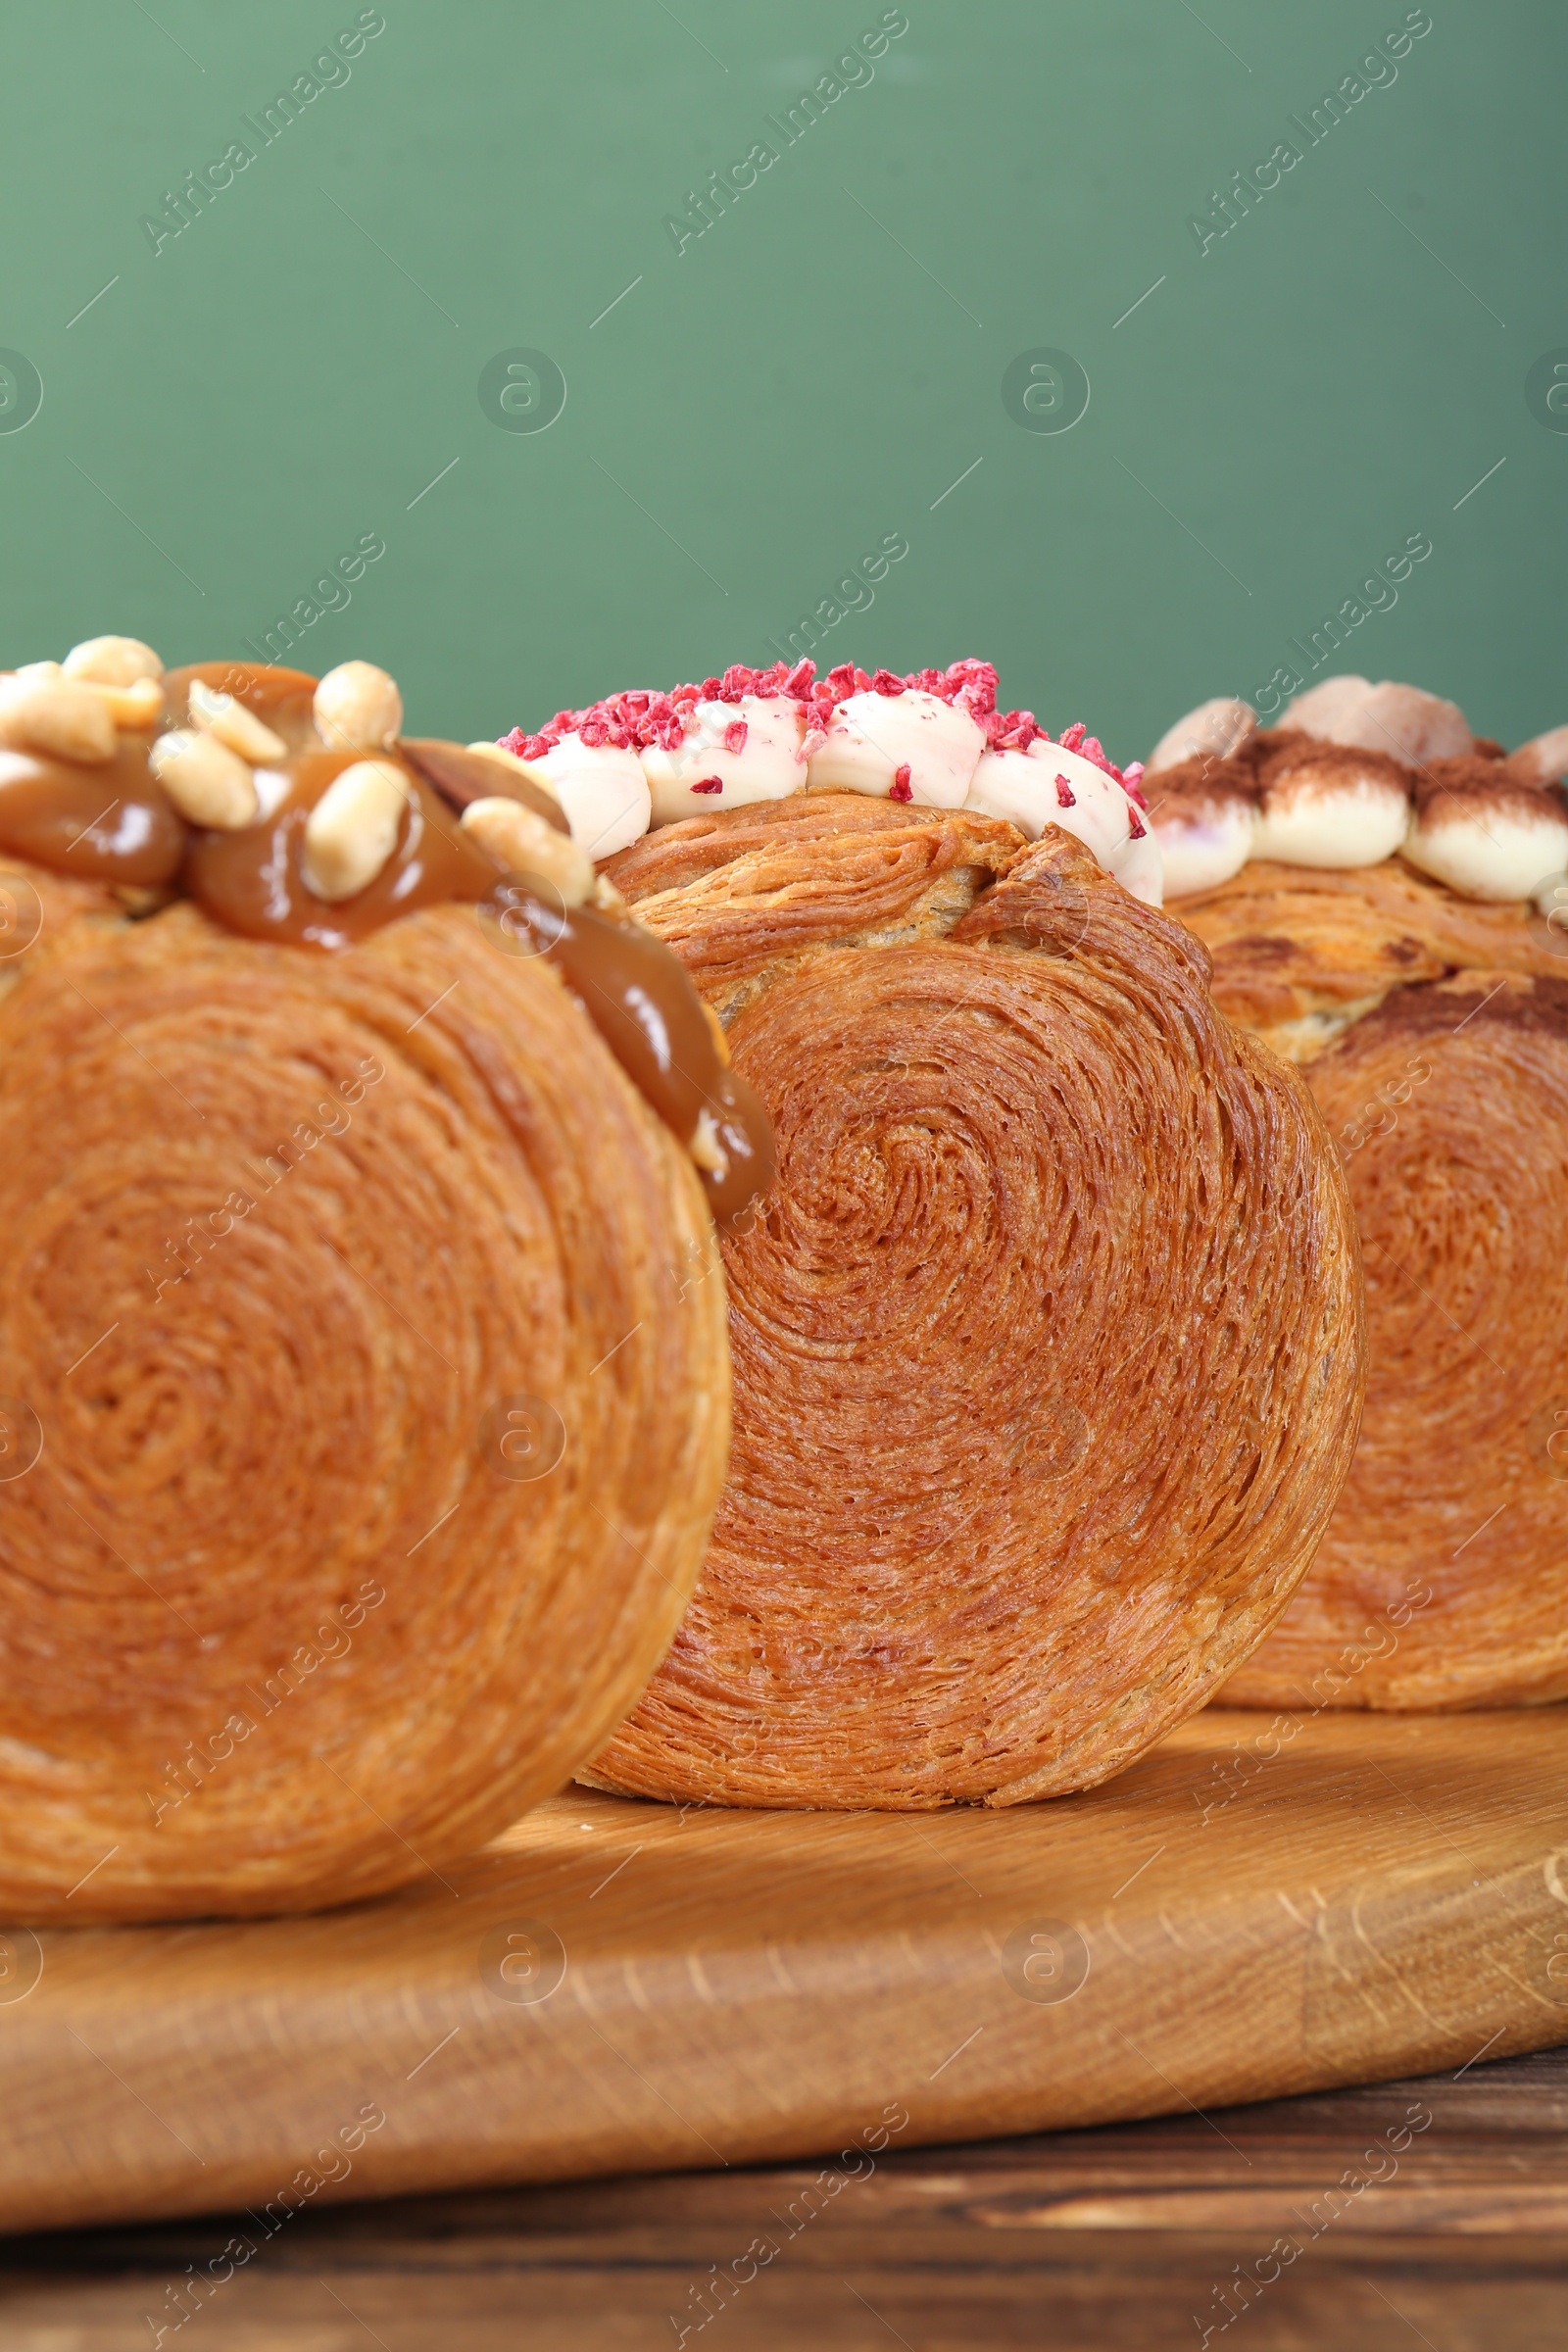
658, 1033
253, 881
114, 822
109, 823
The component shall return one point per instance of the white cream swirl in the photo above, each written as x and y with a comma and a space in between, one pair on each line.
602, 790
1331, 813
1047, 785
1488, 851
750, 749
870, 737
1203, 843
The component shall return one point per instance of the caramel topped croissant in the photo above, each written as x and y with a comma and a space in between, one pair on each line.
363, 1384
1047, 1351
343, 1307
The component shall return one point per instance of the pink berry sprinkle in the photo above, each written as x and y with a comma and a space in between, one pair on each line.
1011, 730
642, 717
972, 687
1136, 827
819, 703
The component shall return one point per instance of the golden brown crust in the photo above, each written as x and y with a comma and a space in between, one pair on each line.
744, 896
671, 857
44, 913
282, 1240
1443, 1580
1298, 952
1434, 1032
1047, 1345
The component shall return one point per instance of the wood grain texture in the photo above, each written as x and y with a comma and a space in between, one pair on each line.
1265, 1908
1087, 2241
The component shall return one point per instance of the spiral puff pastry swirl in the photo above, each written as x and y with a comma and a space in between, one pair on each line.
1384, 896
1434, 1032
343, 1507
1046, 1346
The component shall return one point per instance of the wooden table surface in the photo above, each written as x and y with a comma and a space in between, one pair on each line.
1426, 2212
1251, 1912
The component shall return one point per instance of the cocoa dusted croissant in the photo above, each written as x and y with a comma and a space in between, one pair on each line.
1047, 1348
1384, 898
361, 1340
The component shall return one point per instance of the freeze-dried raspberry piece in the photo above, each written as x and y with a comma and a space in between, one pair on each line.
974, 684
535, 745
735, 735
900, 788
662, 724
1011, 730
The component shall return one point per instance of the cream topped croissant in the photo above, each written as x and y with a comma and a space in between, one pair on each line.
1385, 897
1046, 1340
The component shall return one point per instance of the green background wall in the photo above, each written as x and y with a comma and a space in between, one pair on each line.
292, 370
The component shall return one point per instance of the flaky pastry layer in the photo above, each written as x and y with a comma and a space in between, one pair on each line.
1047, 1345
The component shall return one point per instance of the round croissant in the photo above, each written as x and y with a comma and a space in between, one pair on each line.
365, 1407
1046, 1356
1432, 1029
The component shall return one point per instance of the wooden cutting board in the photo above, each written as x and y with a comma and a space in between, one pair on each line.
1260, 1906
